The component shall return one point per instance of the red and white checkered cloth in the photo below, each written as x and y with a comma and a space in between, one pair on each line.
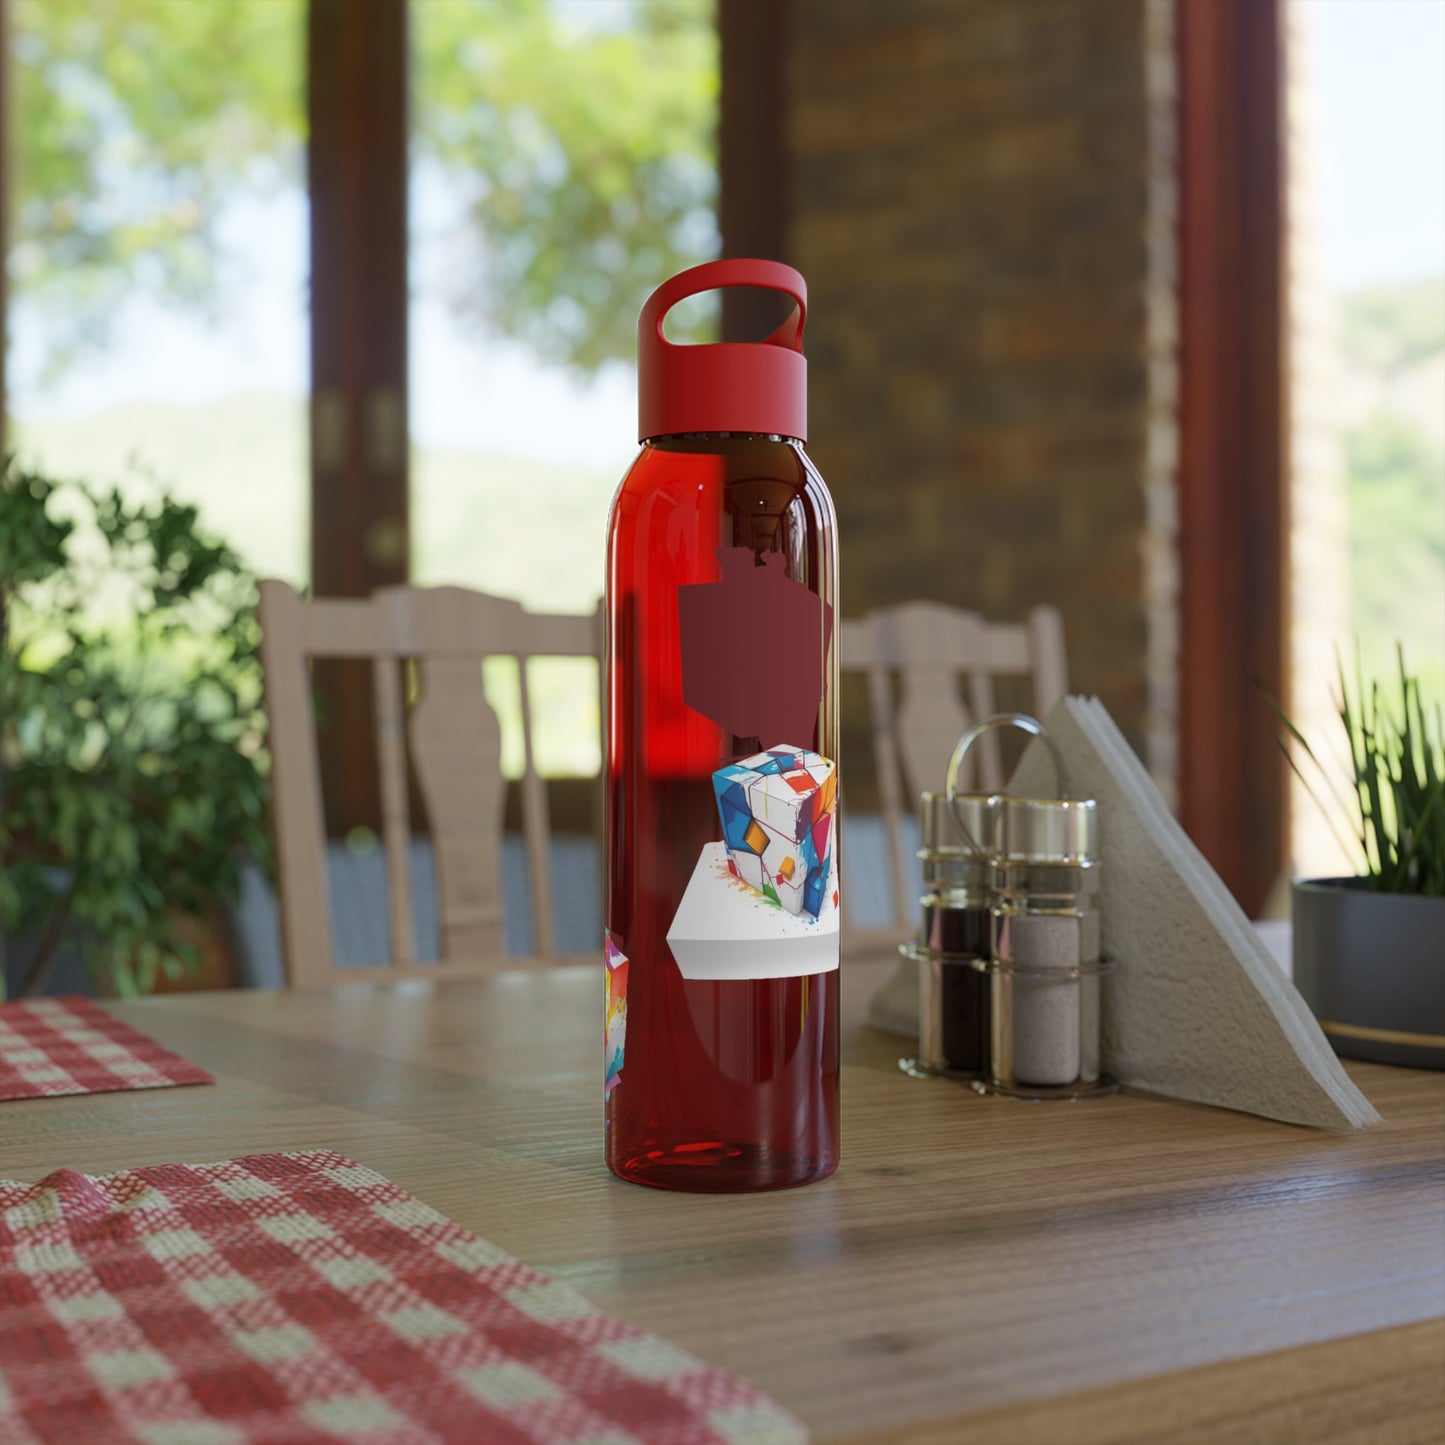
301, 1298
73, 1046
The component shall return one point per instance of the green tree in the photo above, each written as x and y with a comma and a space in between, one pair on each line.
583, 152
1393, 338
135, 120
585, 156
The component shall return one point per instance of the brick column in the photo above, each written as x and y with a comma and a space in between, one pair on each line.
975, 203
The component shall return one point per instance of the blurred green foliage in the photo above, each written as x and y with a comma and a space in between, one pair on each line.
583, 154
1394, 325
131, 730
1396, 489
135, 120
585, 157
1394, 336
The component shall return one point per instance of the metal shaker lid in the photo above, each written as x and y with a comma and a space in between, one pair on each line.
1047, 830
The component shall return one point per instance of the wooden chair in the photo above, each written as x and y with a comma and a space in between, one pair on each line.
455, 738
929, 647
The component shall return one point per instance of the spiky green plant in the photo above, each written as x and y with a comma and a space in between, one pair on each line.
1395, 808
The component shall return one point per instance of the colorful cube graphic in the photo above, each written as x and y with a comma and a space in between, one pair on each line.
617, 963
777, 809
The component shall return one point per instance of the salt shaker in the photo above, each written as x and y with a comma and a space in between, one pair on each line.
1045, 970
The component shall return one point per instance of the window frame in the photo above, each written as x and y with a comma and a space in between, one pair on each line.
1234, 438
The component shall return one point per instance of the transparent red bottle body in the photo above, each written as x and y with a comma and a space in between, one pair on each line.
727, 1085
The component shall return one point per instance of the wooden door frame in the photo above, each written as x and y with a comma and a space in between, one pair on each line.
752, 150
1234, 429
357, 112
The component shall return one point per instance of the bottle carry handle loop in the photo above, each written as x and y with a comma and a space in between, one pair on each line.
721, 275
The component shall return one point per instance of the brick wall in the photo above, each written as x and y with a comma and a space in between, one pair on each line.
977, 205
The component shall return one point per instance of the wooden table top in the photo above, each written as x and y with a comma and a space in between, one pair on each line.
1128, 1269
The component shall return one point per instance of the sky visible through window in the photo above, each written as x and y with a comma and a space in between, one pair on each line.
1377, 68
1367, 350
1375, 72
477, 392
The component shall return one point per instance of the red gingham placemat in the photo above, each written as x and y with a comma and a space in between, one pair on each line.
302, 1298
73, 1046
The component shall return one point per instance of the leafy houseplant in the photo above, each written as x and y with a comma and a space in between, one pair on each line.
1369, 951
131, 734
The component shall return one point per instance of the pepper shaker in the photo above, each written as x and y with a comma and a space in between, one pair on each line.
954, 941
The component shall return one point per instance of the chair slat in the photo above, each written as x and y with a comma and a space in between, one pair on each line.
340, 627
990, 759
557, 635
931, 719
890, 788
1046, 651
295, 789
457, 747
928, 646
535, 825
395, 814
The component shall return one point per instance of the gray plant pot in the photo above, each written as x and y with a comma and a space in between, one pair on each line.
1372, 967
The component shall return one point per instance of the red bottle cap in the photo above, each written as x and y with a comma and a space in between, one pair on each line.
749, 386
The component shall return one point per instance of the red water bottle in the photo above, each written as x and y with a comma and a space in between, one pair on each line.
722, 777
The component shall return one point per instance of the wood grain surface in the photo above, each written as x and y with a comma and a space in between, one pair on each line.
1385, 1388
978, 1269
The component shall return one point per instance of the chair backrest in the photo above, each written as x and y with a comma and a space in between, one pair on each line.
931, 647
455, 738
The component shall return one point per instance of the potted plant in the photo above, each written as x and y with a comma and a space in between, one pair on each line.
132, 771
1369, 951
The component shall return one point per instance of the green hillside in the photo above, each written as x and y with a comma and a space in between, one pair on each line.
1393, 344
242, 461
1391, 328
521, 529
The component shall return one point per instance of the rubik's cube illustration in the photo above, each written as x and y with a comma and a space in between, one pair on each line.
778, 810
